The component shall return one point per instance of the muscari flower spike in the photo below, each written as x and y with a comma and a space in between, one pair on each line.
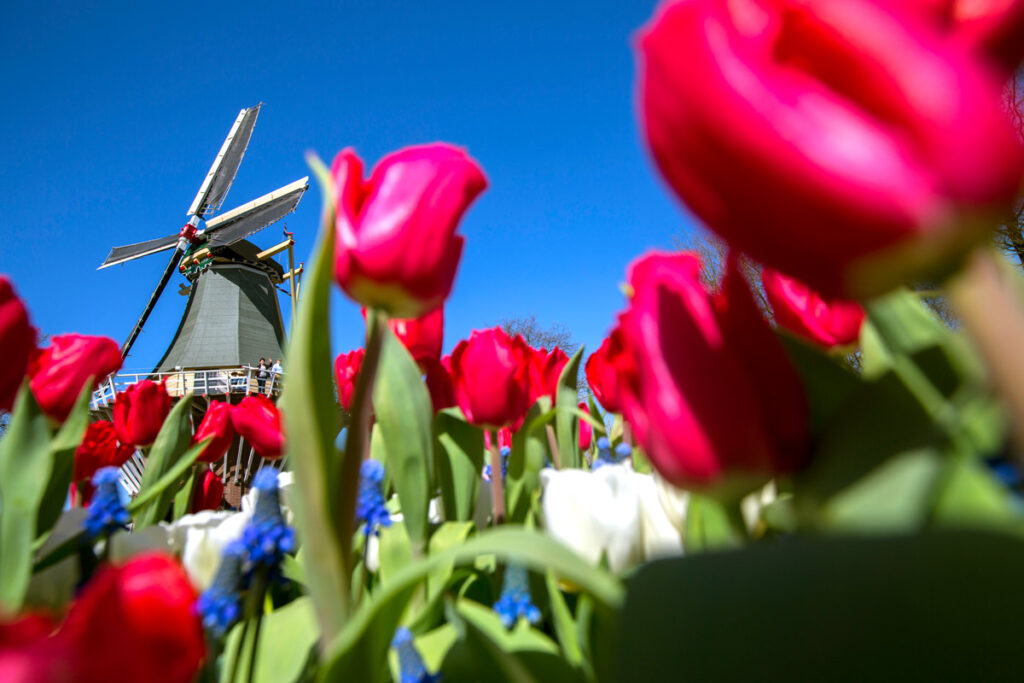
606, 456
220, 605
515, 600
370, 506
105, 513
267, 538
410, 663
505, 453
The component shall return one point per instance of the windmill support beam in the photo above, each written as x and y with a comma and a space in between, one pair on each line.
276, 249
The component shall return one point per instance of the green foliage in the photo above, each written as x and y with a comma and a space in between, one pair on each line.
166, 453
459, 460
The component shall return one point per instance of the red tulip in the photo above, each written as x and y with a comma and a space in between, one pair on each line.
59, 372
586, 431
208, 492
990, 27
17, 339
846, 144
216, 424
423, 336
439, 383
491, 376
258, 421
29, 655
135, 622
99, 448
712, 390
799, 309
504, 438
397, 249
604, 369
545, 369
346, 372
140, 411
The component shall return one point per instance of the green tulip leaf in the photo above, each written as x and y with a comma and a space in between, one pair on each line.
566, 421
26, 461
171, 443
459, 460
405, 418
63, 446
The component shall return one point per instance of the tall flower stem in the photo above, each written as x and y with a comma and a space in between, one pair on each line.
358, 443
497, 480
553, 446
991, 307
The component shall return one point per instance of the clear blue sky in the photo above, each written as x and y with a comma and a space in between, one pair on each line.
114, 111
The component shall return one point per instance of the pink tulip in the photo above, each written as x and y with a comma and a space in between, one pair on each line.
586, 431
993, 28
799, 309
491, 374
545, 371
397, 249
439, 383
17, 339
59, 372
346, 372
604, 370
422, 336
848, 144
712, 391
258, 421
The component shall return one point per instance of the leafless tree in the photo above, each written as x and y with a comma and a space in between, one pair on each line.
538, 336
1010, 235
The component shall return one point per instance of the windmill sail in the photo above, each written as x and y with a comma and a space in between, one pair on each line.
218, 181
250, 218
138, 250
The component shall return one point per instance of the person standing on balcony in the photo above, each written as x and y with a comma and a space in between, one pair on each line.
275, 376
261, 374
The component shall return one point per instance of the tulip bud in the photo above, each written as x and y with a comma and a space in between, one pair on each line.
490, 371
137, 618
17, 339
545, 370
604, 369
712, 391
841, 142
258, 421
217, 426
346, 372
799, 309
422, 337
59, 372
99, 448
586, 431
208, 492
140, 411
397, 249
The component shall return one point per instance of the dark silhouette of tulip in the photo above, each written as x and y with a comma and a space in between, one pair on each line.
18, 341
217, 426
208, 491
59, 372
346, 372
396, 245
712, 391
853, 162
258, 421
802, 311
140, 411
439, 383
491, 374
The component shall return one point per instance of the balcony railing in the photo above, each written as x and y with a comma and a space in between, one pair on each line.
213, 382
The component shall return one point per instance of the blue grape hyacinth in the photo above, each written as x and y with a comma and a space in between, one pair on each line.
505, 453
410, 663
370, 506
267, 537
220, 605
607, 456
105, 513
515, 600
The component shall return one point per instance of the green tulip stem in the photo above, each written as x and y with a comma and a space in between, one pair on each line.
553, 445
497, 481
357, 446
990, 304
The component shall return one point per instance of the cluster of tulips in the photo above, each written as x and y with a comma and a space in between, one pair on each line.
477, 520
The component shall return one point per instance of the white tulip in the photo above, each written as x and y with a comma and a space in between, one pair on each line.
200, 540
612, 511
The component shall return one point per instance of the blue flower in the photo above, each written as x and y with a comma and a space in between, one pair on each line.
605, 455
267, 538
220, 605
370, 506
505, 453
515, 600
410, 663
105, 513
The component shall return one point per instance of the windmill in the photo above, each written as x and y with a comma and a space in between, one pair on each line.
232, 316
220, 236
